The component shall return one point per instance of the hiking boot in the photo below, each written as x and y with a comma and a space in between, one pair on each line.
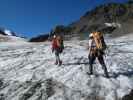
107, 76
89, 73
105, 71
60, 63
56, 63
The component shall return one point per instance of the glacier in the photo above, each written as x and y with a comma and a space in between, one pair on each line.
27, 71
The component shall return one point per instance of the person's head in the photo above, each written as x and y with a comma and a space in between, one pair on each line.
90, 35
54, 36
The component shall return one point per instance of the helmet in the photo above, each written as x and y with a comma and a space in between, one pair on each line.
91, 35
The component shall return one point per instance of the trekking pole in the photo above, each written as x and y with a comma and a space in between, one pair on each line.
106, 62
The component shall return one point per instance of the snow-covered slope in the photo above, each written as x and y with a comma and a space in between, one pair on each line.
27, 72
6, 38
113, 25
8, 32
9, 36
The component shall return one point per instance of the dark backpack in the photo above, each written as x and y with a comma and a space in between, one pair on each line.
104, 46
61, 48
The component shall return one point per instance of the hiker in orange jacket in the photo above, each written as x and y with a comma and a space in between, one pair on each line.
57, 47
96, 50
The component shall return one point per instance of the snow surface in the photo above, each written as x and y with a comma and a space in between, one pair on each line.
27, 72
113, 24
9, 39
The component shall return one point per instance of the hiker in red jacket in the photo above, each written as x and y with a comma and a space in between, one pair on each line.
57, 47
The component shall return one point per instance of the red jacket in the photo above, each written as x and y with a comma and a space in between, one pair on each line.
55, 44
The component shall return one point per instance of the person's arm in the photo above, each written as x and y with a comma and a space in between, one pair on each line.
52, 48
90, 44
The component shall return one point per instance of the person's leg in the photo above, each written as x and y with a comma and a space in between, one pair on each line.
59, 60
57, 57
91, 61
101, 61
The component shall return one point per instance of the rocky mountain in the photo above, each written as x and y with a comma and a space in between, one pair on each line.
114, 18
99, 19
60, 29
40, 38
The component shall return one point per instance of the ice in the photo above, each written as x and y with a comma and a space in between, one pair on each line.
27, 71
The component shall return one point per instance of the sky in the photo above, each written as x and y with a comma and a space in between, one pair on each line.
30, 18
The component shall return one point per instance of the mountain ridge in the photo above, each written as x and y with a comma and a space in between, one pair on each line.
113, 12
119, 13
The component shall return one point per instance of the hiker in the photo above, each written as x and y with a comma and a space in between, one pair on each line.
57, 48
96, 50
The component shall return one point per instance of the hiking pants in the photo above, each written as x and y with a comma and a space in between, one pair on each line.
57, 56
101, 61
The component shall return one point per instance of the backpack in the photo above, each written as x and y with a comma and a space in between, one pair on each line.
99, 40
60, 43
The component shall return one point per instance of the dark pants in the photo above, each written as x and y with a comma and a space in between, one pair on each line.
92, 58
57, 55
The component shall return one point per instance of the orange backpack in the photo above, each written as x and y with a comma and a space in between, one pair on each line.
99, 40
